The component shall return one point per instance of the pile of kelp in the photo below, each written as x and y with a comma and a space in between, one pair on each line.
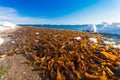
57, 55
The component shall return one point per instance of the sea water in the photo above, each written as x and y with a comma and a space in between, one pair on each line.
101, 29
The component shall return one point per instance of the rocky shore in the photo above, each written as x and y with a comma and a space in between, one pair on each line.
46, 54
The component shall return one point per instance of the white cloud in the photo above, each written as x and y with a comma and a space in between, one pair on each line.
10, 14
5, 10
7, 13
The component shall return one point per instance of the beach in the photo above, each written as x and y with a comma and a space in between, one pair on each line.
45, 54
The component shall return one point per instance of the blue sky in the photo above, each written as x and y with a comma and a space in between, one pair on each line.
60, 11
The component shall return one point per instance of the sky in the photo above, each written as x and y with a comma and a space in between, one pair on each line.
60, 11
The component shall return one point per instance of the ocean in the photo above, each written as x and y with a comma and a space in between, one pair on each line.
101, 29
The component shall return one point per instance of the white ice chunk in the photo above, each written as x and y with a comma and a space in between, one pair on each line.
37, 33
109, 42
113, 42
93, 40
116, 46
77, 38
106, 42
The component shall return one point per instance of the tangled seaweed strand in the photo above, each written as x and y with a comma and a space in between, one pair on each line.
58, 56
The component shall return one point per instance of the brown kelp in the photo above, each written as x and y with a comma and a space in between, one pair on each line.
57, 55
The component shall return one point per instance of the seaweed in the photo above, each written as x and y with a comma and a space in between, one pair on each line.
58, 56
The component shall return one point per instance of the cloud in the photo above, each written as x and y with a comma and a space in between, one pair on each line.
7, 13
11, 14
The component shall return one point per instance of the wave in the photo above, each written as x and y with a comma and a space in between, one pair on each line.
109, 30
113, 30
